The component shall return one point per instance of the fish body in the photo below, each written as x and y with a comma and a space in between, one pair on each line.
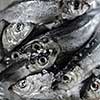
35, 11
35, 86
15, 33
41, 11
82, 69
71, 80
44, 51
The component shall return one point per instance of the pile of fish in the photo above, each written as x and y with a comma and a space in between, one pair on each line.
50, 50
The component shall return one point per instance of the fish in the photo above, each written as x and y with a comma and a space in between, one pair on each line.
14, 34
41, 11
74, 8
81, 65
20, 5
94, 92
35, 86
39, 87
35, 11
92, 86
51, 46
72, 80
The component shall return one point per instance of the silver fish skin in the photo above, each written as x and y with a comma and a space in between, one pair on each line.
72, 40
83, 69
41, 11
25, 8
35, 86
92, 90
69, 10
39, 87
36, 55
11, 38
64, 43
65, 87
75, 78
15, 33
35, 11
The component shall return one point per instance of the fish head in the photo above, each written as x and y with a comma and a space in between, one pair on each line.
33, 86
94, 90
74, 8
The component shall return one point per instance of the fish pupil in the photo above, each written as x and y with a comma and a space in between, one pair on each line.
19, 26
76, 4
65, 78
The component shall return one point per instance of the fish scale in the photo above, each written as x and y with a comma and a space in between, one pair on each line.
36, 11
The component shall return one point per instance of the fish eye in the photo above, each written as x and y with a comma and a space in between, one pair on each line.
42, 60
19, 27
76, 4
15, 55
22, 84
67, 78
95, 86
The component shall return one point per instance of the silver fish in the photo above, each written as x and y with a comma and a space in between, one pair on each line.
84, 68
64, 43
35, 11
34, 56
71, 79
82, 72
91, 88
40, 12
35, 86
94, 92
74, 8
74, 78
14, 34
39, 87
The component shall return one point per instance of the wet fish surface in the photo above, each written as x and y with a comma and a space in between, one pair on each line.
49, 50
